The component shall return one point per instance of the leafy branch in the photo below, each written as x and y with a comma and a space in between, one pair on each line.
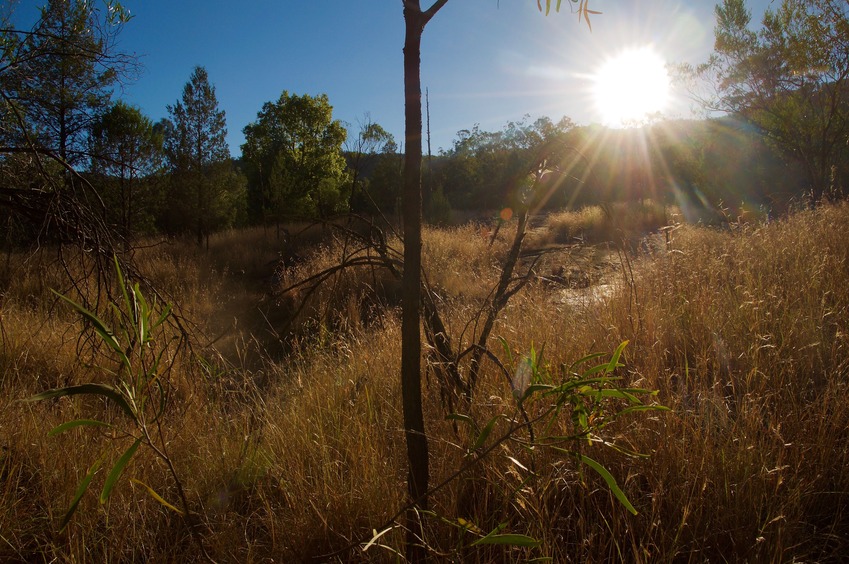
140, 390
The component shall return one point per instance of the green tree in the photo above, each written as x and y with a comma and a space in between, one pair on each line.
61, 75
205, 193
789, 79
126, 156
483, 168
293, 157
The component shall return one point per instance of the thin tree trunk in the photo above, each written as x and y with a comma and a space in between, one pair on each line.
411, 385
411, 344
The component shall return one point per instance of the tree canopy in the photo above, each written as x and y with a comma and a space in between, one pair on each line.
789, 79
293, 157
126, 153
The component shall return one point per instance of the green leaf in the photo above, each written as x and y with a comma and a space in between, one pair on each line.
506, 347
460, 417
78, 495
100, 327
508, 539
611, 481
563, 388
123, 286
484, 434
574, 366
614, 393
143, 314
614, 360
97, 389
165, 313
116, 471
644, 408
534, 388
76, 423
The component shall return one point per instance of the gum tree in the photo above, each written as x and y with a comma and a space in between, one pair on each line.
789, 79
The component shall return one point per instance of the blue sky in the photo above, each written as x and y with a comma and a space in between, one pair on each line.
484, 62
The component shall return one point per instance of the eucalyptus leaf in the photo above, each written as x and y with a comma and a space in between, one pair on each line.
508, 539
611, 481
96, 389
484, 434
117, 470
68, 425
78, 495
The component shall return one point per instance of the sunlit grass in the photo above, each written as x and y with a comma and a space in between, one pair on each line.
295, 451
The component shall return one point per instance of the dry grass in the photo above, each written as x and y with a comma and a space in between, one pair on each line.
613, 223
296, 452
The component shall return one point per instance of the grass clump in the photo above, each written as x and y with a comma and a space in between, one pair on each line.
613, 223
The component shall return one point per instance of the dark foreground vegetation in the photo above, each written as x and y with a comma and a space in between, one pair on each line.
289, 445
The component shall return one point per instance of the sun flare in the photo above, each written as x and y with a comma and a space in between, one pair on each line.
630, 86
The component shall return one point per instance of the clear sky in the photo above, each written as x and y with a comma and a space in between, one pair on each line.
483, 61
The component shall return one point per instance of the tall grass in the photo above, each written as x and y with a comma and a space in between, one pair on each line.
298, 451
611, 223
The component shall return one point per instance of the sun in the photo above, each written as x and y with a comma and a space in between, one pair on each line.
630, 86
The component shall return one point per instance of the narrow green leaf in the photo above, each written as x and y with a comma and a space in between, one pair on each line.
76, 423
508, 539
611, 481
116, 471
574, 366
460, 417
506, 346
143, 315
614, 360
533, 388
644, 408
484, 434
128, 304
78, 495
156, 496
614, 393
98, 389
100, 327
165, 313
563, 388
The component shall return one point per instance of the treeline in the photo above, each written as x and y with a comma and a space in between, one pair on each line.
65, 142
702, 166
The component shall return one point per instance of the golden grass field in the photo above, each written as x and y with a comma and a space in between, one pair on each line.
287, 435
